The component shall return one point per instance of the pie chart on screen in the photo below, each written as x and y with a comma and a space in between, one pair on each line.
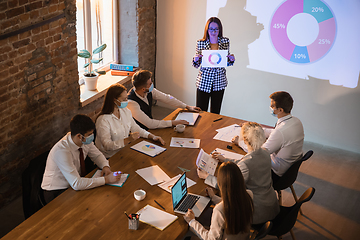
303, 31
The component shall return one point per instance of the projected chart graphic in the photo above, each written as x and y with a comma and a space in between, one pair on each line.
303, 31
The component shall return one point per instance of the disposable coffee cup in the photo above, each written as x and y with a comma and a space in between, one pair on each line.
179, 128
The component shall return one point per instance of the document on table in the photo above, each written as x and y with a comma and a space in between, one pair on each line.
168, 184
188, 116
185, 142
153, 175
226, 134
205, 162
148, 148
228, 154
156, 217
120, 183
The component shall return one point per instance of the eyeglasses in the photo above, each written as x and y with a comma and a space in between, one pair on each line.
213, 29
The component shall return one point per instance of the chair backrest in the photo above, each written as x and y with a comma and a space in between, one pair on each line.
31, 185
264, 230
290, 175
286, 219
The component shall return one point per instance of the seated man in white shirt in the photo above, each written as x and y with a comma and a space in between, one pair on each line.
285, 142
65, 165
140, 102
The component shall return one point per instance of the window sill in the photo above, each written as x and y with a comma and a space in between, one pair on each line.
104, 82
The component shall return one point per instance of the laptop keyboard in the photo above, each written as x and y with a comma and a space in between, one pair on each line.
188, 203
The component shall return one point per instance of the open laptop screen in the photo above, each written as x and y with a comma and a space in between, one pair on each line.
179, 190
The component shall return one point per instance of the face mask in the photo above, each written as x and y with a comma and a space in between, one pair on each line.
272, 112
88, 139
151, 88
123, 104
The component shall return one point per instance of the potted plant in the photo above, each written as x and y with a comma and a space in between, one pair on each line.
91, 75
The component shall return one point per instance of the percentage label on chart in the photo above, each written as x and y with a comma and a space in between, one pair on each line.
300, 55
324, 41
279, 25
317, 9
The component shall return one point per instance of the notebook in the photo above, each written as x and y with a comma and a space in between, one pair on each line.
182, 200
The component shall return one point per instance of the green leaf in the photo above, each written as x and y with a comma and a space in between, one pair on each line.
96, 60
99, 49
84, 53
86, 64
100, 72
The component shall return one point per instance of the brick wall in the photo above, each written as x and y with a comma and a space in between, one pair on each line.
39, 91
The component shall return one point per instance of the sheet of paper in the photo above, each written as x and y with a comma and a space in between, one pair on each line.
226, 134
156, 217
205, 162
228, 154
168, 184
214, 58
153, 174
148, 148
120, 183
188, 116
185, 142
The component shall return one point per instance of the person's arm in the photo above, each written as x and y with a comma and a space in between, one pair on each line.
140, 116
64, 161
103, 134
216, 228
196, 61
97, 157
244, 170
231, 57
274, 142
167, 98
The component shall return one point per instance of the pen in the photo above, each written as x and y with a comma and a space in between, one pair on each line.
159, 205
217, 119
127, 215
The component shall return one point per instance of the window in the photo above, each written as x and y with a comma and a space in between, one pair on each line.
96, 24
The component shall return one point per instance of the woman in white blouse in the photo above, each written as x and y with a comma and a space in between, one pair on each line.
232, 215
115, 126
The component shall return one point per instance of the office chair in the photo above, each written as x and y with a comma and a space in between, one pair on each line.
289, 177
264, 230
32, 194
285, 220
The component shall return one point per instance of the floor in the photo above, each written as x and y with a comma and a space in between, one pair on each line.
330, 214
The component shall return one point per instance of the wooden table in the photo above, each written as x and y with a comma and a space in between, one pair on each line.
99, 213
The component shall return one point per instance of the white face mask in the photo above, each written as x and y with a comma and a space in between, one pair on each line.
272, 112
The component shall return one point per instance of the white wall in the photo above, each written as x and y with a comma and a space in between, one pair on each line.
330, 114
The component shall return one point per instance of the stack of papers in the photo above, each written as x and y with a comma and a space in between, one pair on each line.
156, 217
153, 175
168, 184
120, 183
226, 134
148, 148
185, 142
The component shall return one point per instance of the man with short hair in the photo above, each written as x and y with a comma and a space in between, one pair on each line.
140, 102
65, 165
285, 141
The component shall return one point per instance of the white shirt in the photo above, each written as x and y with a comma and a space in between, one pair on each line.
63, 166
140, 116
111, 131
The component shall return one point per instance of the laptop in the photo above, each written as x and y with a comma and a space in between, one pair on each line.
182, 200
